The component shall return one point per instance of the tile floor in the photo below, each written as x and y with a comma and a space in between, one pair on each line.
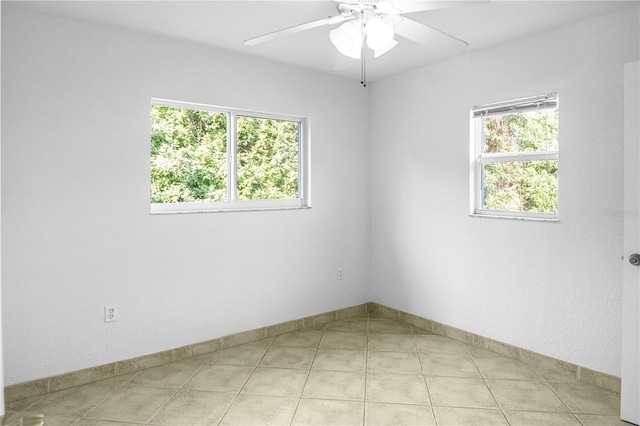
361, 371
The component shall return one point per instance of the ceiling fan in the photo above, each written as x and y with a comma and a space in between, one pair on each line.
375, 23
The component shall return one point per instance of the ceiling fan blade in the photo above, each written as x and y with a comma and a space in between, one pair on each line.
443, 43
409, 6
295, 29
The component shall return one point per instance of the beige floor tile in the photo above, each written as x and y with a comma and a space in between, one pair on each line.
342, 340
454, 416
592, 420
343, 385
439, 345
389, 327
76, 401
15, 418
171, 375
380, 414
59, 421
194, 408
395, 388
276, 382
451, 365
361, 370
460, 392
249, 355
586, 399
287, 357
356, 325
393, 362
23, 404
220, 378
132, 404
505, 368
529, 418
302, 338
340, 360
391, 342
328, 412
89, 422
261, 410
12, 418
525, 396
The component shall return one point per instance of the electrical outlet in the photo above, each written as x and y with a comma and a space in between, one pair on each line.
110, 313
340, 274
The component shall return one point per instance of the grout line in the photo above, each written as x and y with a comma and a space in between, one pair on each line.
308, 374
124, 383
163, 405
569, 410
484, 380
424, 376
366, 369
178, 389
235, 398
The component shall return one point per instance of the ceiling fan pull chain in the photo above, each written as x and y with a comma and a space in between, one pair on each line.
363, 62
363, 75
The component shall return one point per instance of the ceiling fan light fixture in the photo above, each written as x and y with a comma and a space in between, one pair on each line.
347, 39
379, 33
388, 47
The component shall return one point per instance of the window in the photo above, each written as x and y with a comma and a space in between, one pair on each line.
515, 158
207, 158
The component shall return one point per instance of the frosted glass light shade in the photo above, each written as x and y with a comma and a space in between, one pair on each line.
380, 52
379, 33
347, 39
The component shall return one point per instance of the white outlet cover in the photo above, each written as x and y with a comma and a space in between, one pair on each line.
110, 313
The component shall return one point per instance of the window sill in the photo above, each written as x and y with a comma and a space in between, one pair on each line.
173, 212
234, 206
527, 219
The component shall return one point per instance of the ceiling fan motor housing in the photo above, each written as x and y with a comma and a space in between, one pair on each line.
358, 7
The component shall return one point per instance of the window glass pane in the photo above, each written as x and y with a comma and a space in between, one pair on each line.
526, 186
188, 155
267, 152
521, 132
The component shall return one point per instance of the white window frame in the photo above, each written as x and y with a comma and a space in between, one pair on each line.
233, 203
479, 159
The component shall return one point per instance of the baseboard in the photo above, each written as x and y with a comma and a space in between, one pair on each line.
536, 360
89, 375
106, 371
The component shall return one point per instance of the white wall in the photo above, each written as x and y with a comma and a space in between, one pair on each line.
1, 352
77, 232
554, 288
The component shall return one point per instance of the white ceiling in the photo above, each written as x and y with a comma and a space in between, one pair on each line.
226, 24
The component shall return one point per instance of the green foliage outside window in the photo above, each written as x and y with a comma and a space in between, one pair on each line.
527, 186
267, 159
189, 161
188, 155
